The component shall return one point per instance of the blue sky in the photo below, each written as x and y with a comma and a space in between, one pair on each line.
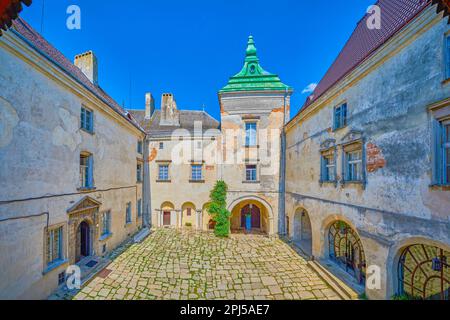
191, 48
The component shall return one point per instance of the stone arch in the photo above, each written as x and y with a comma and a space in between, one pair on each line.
345, 248
302, 230
189, 215
413, 254
258, 206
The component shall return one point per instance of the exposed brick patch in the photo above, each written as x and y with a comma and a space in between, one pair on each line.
153, 155
278, 109
375, 158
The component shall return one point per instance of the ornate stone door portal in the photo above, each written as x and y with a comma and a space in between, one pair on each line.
83, 231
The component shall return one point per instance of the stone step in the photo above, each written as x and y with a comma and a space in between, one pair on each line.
342, 289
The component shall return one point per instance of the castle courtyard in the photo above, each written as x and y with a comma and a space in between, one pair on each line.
186, 264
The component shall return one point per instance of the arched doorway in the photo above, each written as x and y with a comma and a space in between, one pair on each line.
257, 213
254, 214
424, 273
84, 243
167, 215
302, 232
345, 248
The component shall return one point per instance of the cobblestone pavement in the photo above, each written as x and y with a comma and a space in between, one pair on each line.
172, 264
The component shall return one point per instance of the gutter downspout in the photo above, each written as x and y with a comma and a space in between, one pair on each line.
146, 190
282, 176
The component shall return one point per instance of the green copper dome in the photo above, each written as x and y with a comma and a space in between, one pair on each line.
252, 76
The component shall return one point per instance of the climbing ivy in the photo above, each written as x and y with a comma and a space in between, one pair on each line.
218, 209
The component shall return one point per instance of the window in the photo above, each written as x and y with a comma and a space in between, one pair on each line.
54, 245
250, 134
442, 142
140, 147
447, 56
163, 174
353, 165
250, 173
196, 173
61, 278
106, 223
128, 213
139, 208
161, 146
328, 167
189, 212
340, 116
139, 172
86, 171
87, 119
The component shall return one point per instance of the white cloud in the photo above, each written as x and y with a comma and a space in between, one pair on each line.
310, 88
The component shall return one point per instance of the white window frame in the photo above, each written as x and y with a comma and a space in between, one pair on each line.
86, 171
327, 167
140, 147
196, 172
164, 176
354, 167
251, 134
53, 257
251, 171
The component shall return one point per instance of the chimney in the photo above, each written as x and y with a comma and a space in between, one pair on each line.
149, 105
87, 63
170, 115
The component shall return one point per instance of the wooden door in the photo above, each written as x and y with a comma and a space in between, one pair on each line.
166, 218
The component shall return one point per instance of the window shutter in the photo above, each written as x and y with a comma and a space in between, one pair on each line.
91, 171
448, 57
437, 152
344, 166
83, 116
322, 168
344, 115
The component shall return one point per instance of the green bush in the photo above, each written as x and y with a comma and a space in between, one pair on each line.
218, 209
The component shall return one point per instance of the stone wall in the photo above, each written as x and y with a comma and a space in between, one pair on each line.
389, 107
39, 172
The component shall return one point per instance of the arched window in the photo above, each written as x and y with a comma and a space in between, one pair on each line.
346, 249
424, 273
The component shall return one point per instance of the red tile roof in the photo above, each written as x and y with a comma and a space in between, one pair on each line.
395, 14
36, 41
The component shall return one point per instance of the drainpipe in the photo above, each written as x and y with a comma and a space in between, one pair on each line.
282, 176
146, 188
